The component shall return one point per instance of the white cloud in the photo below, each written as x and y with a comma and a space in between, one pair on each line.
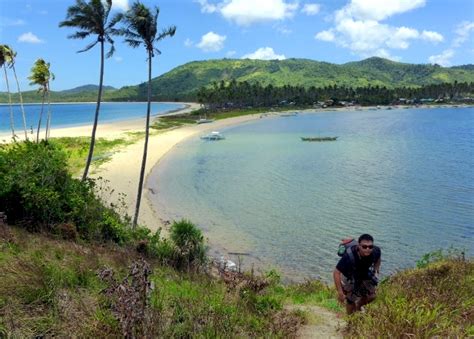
264, 53
375, 10
230, 54
431, 36
29, 38
311, 9
211, 42
206, 7
188, 42
325, 36
399, 39
442, 59
248, 12
359, 27
120, 5
283, 30
463, 31
11, 22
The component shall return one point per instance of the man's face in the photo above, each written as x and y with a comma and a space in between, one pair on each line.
365, 248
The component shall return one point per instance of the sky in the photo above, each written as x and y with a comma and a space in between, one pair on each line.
335, 31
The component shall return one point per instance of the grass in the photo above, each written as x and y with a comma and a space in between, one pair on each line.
78, 147
50, 287
436, 300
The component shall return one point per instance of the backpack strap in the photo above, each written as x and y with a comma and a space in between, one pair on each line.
351, 255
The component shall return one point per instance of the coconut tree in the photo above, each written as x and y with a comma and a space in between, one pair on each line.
4, 57
10, 60
92, 19
141, 29
41, 75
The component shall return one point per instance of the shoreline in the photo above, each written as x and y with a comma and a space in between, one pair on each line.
108, 130
125, 164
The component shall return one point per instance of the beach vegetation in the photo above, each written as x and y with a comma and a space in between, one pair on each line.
41, 76
141, 28
92, 18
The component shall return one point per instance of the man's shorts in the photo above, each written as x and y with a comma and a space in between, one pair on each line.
354, 291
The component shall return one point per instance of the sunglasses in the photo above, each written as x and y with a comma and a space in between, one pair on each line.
367, 247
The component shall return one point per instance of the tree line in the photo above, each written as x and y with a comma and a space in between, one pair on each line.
235, 94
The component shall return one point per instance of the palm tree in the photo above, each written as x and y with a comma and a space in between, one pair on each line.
92, 19
142, 29
41, 75
10, 59
4, 57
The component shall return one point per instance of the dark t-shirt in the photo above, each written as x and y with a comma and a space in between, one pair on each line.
359, 270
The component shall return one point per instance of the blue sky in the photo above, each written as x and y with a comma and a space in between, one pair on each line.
413, 31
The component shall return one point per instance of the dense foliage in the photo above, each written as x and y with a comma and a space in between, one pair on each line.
243, 94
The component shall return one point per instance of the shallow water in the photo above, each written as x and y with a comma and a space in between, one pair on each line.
405, 176
75, 114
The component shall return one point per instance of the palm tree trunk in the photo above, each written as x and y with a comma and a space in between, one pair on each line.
48, 121
145, 148
21, 102
40, 117
12, 125
96, 117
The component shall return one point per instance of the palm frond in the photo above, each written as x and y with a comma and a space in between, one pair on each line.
79, 35
112, 46
169, 31
133, 43
88, 47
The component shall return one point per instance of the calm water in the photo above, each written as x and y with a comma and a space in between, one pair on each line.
405, 176
67, 115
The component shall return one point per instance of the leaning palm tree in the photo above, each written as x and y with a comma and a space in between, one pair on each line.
41, 75
3, 61
92, 19
10, 59
142, 29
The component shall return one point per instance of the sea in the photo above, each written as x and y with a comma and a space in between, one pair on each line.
268, 200
77, 114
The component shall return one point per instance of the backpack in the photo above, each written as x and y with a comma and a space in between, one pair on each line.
345, 246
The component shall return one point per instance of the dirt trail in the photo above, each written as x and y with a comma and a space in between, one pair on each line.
322, 323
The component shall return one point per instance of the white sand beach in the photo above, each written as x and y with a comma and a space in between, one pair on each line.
122, 171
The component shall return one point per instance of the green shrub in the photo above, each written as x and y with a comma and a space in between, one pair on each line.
37, 191
189, 244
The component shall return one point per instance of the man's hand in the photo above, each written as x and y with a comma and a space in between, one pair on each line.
341, 297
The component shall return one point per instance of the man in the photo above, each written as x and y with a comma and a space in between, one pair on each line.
354, 275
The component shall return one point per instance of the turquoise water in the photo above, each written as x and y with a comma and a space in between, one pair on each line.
405, 176
68, 115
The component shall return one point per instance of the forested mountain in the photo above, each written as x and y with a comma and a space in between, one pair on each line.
183, 82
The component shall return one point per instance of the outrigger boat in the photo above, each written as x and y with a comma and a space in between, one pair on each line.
204, 121
213, 136
319, 138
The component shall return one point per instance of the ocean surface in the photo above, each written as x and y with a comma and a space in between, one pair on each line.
406, 176
76, 114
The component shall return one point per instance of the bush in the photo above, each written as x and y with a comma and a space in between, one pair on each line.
36, 190
189, 244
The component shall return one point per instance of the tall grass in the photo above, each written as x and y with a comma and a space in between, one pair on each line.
435, 300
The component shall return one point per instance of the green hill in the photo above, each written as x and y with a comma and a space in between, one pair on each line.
181, 83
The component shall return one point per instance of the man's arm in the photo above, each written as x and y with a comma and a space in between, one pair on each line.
337, 281
377, 265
